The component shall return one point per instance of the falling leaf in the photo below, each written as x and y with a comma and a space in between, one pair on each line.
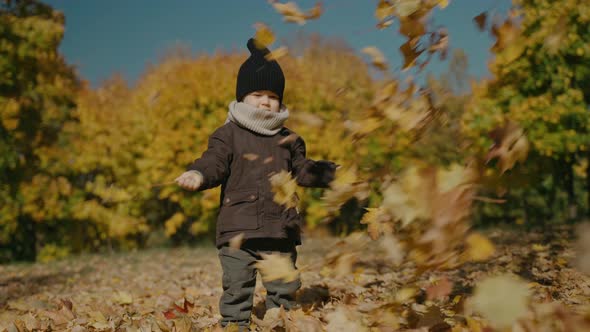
410, 53
455, 176
443, 4
407, 7
345, 186
277, 267
480, 21
309, 119
384, 24
264, 37
394, 251
501, 299
412, 28
378, 222
377, 58
440, 43
479, 248
236, 241
290, 12
250, 156
409, 199
384, 10
510, 146
288, 139
506, 35
277, 54
284, 186
315, 12
441, 288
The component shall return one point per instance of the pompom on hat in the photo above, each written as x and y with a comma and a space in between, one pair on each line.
257, 73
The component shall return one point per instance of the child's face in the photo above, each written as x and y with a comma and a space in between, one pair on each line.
263, 99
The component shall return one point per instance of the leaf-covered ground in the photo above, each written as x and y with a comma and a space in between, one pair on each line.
178, 289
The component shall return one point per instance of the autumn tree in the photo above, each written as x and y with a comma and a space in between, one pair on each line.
37, 89
540, 81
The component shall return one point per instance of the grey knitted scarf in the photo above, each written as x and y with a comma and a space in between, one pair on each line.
258, 120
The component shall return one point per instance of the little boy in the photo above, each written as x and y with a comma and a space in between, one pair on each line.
241, 156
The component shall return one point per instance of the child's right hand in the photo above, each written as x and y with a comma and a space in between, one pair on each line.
190, 180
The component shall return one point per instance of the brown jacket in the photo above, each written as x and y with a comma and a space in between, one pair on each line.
242, 161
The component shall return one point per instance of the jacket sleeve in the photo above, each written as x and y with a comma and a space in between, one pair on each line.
214, 163
310, 173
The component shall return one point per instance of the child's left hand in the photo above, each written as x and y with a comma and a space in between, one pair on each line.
190, 180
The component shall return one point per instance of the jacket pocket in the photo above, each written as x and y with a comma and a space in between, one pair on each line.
239, 211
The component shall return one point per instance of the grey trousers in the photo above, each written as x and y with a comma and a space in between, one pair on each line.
239, 279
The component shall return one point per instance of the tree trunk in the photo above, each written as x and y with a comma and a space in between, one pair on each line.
571, 195
588, 186
24, 243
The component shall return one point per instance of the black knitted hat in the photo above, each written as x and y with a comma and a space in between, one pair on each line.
257, 73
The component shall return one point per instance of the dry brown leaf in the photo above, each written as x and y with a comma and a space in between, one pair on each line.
236, 241
284, 187
510, 146
343, 188
315, 12
378, 221
410, 53
394, 250
407, 7
412, 27
309, 119
288, 139
250, 156
384, 10
377, 58
440, 289
290, 12
277, 267
480, 20
440, 43
506, 35
276, 54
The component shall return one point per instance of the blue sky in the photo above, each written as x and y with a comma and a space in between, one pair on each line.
124, 36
